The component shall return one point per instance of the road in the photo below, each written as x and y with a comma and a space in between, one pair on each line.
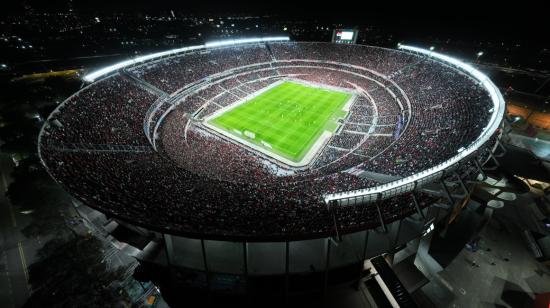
16, 251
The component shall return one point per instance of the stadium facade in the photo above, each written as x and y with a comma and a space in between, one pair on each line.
134, 149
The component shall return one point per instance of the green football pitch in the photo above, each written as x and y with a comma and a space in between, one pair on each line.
285, 120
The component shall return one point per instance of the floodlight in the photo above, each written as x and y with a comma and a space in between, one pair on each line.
109, 69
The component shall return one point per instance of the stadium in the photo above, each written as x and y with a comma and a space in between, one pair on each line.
265, 157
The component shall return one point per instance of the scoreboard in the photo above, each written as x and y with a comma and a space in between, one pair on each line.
344, 36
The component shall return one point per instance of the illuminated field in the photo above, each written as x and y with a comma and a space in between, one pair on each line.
287, 121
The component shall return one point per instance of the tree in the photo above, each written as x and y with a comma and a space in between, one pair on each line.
71, 273
19, 129
35, 191
23, 107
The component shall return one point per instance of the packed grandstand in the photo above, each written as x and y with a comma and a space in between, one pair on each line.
135, 143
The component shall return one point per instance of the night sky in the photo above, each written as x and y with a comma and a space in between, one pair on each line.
523, 21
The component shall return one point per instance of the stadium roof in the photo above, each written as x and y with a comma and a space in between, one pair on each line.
112, 68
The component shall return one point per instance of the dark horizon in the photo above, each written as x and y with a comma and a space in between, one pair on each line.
463, 20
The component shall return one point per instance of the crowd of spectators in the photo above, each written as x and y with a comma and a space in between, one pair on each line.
108, 112
449, 112
173, 73
202, 183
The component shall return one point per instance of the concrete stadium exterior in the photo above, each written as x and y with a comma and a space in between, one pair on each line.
335, 257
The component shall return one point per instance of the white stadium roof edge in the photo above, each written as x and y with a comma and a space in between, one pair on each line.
497, 112
112, 68
406, 184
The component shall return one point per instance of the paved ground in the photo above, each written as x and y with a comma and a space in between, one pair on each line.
505, 275
16, 251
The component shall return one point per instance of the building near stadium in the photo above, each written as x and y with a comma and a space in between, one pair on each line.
239, 162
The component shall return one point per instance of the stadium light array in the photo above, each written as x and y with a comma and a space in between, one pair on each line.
246, 40
497, 112
109, 69
120, 65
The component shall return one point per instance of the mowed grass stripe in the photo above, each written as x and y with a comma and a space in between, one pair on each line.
283, 122
277, 131
290, 117
261, 118
276, 134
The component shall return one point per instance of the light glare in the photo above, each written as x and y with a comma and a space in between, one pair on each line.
109, 69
